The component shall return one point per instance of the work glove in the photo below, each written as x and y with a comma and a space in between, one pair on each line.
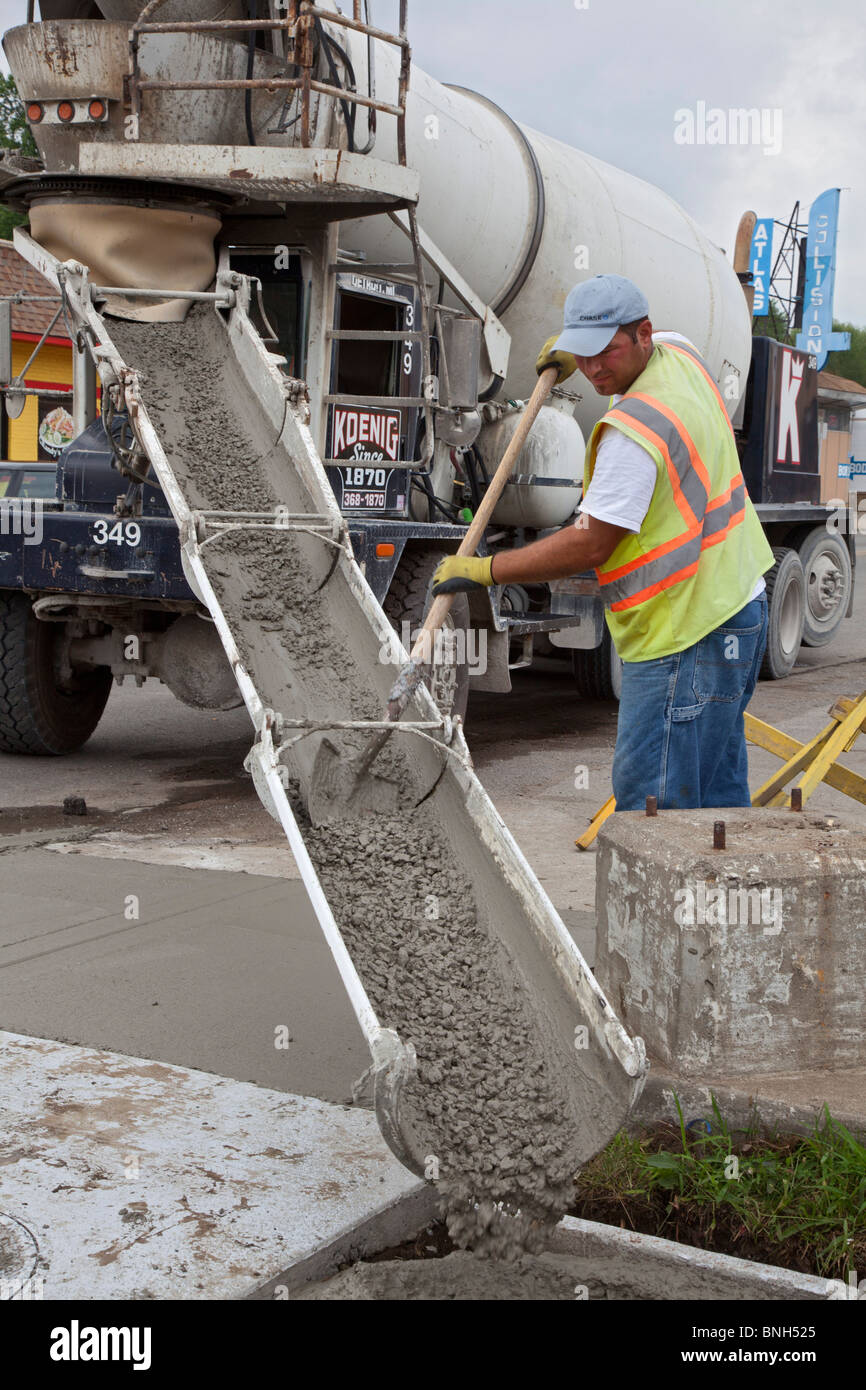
458, 574
565, 362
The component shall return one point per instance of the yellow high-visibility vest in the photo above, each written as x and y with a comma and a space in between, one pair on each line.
701, 550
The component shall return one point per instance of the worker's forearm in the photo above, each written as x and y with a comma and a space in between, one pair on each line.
568, 552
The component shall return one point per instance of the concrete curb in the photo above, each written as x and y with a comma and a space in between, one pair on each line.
604, 1262
400, 1221
617, 1264
740, 1108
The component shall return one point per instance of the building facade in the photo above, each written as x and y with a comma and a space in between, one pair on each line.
45, 423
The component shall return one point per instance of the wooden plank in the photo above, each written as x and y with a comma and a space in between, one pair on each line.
833, 746
783, 746
596, 823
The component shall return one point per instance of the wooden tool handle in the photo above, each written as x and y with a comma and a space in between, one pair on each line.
440, 606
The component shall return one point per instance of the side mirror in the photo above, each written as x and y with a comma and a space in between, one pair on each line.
457, 419
460, 347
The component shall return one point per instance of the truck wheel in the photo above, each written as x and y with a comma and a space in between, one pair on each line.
598, 672
786, 596
407, 601
38, 715
827, 567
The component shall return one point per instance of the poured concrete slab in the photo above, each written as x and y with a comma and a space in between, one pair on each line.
123, 1178
181, 965
220, 855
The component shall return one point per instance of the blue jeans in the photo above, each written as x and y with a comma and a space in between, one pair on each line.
680, 734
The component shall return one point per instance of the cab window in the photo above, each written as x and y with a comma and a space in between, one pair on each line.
38, 482
368, 368
282, 298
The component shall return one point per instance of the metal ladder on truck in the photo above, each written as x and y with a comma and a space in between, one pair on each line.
411, 274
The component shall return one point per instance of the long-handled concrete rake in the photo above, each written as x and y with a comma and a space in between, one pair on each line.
341, 785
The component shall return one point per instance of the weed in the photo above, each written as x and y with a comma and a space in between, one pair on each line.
787, 1199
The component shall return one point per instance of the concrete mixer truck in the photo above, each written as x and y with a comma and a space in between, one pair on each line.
406, 248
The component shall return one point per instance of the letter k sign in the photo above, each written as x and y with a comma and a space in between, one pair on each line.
792, 380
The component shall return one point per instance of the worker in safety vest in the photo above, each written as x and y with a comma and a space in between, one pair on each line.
668, 527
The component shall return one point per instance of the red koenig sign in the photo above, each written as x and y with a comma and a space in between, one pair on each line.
365, 433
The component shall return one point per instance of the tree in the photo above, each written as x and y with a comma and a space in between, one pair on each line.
15, 134
773, 324
852, 363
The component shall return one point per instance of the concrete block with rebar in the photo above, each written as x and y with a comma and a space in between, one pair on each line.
735, 941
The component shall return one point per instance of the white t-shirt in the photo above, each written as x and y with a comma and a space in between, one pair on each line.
625, 476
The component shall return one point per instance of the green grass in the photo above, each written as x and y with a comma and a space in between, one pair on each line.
798, 1201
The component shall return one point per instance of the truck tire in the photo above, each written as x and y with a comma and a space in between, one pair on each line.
408, 600
37, 715
827, 569
786, 596
598, 672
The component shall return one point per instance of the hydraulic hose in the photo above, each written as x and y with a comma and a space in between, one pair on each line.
252, 13
329, 47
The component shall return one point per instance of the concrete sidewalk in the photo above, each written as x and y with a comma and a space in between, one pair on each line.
122, 1178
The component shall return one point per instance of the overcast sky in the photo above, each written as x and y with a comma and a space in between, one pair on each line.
608, 79
608, 76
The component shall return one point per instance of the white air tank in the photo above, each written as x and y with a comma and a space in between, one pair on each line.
514, 211
547, 477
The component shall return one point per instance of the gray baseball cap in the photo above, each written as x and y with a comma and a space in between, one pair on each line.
594, 310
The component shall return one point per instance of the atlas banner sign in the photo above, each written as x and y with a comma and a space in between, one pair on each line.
817, 336
760, 264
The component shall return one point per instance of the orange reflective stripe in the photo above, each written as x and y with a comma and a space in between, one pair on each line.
705, 519
656, 553
683, 505
723, 496
724, 531
717, 524
696, 460
684, 352
646, 411
653, 589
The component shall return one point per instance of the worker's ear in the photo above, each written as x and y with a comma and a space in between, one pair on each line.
645, 333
